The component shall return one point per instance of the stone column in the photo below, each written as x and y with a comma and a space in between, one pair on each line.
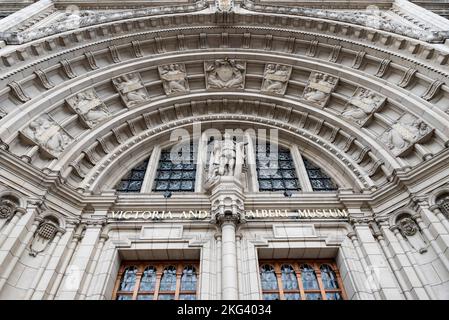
218, 268
437, 211
229, 261
11, 224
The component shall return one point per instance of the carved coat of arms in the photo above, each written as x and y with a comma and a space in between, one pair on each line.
225, 74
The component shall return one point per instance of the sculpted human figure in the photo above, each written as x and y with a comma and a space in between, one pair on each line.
131, 89
90, 107
319, 88
365, 105
275, 78
174, 78
405, 132
47, 134
226, 73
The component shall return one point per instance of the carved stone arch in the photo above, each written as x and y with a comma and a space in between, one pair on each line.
401, 214
438, 194
18, 199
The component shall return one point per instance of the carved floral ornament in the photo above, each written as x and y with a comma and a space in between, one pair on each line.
7, 208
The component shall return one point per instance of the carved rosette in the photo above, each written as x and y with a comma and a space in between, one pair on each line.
7, 208
319, 88
46, 133
225, 74
361, 106
407, 227
91, 110
404, 133
275, 78
174, 78
131, 89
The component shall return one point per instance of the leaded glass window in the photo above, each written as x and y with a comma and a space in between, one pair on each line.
300, 280
176, 175
157, 281
444, 205
319, 180
275, 169
132, 182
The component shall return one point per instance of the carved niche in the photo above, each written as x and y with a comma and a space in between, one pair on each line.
225, 74
362, 105
174, 78
275, 78
89, 107
131, 89
319, 88
410, 231
405, 133
46, 133
43, 236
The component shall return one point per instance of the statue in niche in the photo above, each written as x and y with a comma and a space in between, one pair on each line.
276, 78
89, 107
131, 89
225, 74
174, 79
226, 159
404, 133
319, 88
46, 133
362, 106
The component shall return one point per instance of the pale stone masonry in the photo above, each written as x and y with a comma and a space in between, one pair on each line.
93, 90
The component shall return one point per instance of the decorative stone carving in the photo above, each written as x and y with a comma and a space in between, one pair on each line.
131, 89
18, 91
43, 236
174, 78
404, 133
362, 105
45, 132
225, 74
408, 227
275, 78
226, 159
7, 208
89, 107
443, 204
224, 5
319, 88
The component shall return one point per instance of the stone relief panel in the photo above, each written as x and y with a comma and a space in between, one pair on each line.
319, 88
131, 89
46, 133
174, 78
362, 105
405, 133
89, 107
275, 78
225, 74
42, 237
410, 231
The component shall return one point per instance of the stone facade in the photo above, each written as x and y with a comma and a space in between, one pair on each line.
89, 91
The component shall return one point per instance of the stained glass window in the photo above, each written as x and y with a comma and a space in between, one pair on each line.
132, 182
319, 180
296, 280
176, 171
157, 281
275, 169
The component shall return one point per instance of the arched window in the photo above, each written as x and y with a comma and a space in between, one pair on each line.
290, 283
330, 283
147, 284
176, 175
168, 284
319, 180
310, 283
275, 170
443, 204
188, 284
127, 283
269, 283
132, 182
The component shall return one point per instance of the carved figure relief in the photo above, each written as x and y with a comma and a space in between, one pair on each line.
404, 133
225, 74
410, 230
174, 78
319, 88
226, 159
362, 105
275, 78
131, 89
45, 132
89, 107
